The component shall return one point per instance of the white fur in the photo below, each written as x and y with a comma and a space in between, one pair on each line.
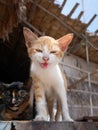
51, 83
51, 79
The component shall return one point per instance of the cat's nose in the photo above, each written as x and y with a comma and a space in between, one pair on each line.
13, 101
45, 58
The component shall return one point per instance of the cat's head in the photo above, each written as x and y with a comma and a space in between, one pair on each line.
15, 94
45, 51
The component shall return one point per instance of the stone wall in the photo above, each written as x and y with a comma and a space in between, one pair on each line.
81, 96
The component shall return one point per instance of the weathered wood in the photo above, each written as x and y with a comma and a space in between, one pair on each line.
89, 119
63, 4
29, 125
80, 15
63, 23
32, 27
43, 15
74, 8
96, 31
92, 19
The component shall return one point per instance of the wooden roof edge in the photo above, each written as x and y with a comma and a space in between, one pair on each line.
92, 19
73, 9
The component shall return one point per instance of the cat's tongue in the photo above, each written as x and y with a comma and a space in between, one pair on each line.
44, 65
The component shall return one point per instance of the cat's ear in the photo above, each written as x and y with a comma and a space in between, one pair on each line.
65, 41
29, 36
3, 86
28, 83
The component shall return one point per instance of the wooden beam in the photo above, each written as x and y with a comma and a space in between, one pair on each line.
63, 4
32, 27
32, 12
89, 119
59, 20
73, 10
79, 35
96, 31
80, 15
4, 2
92, 19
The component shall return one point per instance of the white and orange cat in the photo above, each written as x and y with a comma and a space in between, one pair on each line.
49, 85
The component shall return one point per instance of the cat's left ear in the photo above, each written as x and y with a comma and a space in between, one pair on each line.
65, 41
29, 37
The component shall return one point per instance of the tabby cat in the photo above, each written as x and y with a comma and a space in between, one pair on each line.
15, 100
49, 85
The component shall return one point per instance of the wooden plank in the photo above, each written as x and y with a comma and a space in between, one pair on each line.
59, 20
92, 19
63, 4
80, 15
41, 125
73, 9
84, 126
89, 119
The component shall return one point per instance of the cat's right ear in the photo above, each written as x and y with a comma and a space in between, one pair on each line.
29, 37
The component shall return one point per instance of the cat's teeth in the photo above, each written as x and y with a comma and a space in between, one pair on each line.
14, 108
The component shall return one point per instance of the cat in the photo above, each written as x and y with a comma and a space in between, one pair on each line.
15, 100
46, 53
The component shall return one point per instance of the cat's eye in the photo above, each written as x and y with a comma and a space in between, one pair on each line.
7, 93
53, 52
38, 50
22, 93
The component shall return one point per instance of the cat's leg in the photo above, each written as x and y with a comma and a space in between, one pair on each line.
40, 103
63, 99
65, 110
58, 115
50, 103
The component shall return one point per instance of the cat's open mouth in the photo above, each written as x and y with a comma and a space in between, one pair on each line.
14, 108
44, 65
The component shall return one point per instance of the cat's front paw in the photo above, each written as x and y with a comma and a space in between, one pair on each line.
40, 118
69, 119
